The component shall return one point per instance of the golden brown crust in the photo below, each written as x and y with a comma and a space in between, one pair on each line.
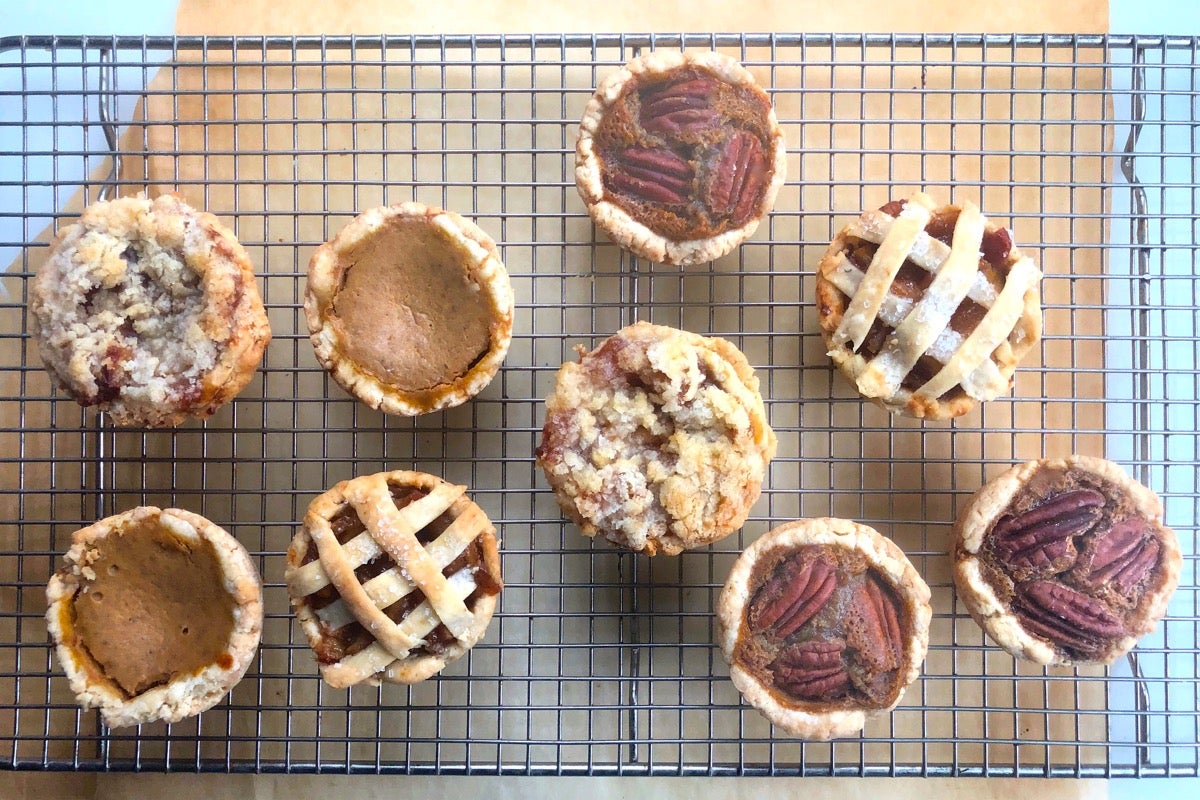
398, 652
993, 611
184, 695
833, 306
615, 220
483, 273
809, 720
179, 340
657, 439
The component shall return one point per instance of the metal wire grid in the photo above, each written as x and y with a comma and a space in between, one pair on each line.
601, 662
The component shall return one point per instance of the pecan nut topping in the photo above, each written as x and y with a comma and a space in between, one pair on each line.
738, 177
1068, 618
653, 175
1121, 558
680, 108
877, 637
812, 670
1043, 538
792, 596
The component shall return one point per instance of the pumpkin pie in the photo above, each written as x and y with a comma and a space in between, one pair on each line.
155, 614
409, 308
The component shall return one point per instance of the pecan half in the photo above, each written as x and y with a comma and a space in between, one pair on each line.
653, 175
737, 177
681, 107
1120, 558
812, 670
792, 596
875, 629
1042, 538
1067, 618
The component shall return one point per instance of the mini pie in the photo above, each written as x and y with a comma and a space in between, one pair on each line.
927, 310
148, 311
409, 308
679, 156
657, 439
824, 624
393, 576
1065, 560
156, 614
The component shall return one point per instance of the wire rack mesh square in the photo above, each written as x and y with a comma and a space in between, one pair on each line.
599, 661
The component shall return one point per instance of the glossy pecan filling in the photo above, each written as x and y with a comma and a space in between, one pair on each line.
823, 627
335, 645
1073, 560
687, 154
911, 282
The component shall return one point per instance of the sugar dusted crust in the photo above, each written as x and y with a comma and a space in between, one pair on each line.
148, 310
995, 615
883, 556
184, 695
616, 221
483, 268
657, 439
832, 309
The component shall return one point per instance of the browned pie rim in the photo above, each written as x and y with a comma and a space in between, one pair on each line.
883, 555
614, 220
996, 619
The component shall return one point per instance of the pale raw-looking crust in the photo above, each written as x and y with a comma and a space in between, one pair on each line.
332, 566
715, 438
197, 307
483, 267
185, 695
995, 617
885, 557
615, 221
833, 308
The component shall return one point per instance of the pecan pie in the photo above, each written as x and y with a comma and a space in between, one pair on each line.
147, 310
393, 576
824, 623
409, 308
156, 614
657, 439
1065, 560
679, 156
928, 310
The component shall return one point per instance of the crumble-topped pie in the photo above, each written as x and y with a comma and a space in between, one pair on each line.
409, 308
928, 310
824, 623
679, 156
657, 439
148, 311
393, 576
156, 614
1065, 560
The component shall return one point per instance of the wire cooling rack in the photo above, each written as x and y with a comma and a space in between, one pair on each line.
599, 661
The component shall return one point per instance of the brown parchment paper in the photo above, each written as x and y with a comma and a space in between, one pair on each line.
288, 152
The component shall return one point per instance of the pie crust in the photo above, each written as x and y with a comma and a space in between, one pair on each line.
683, 179
928, 310
155, 615
409, 308
657, 439
860, 554
393, 576
989, 574
148, 311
